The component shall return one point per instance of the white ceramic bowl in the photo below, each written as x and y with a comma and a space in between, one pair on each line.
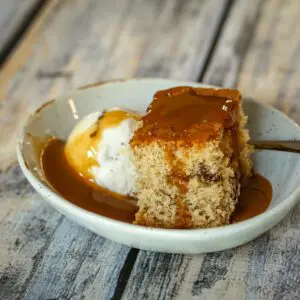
58, 118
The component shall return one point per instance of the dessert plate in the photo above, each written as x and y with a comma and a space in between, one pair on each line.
265, 123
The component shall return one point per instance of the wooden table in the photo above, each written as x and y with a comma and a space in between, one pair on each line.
49, 47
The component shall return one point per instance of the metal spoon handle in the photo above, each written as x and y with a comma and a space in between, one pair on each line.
288, 146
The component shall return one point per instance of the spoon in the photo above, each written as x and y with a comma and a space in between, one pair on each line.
288, 146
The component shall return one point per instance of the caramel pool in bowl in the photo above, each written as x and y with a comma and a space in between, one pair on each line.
255, 196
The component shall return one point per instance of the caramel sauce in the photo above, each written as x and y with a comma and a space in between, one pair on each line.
73, 187
255, 197
186, 113
81, 149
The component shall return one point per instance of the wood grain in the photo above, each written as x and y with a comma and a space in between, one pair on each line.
72, 43
256, 51
271, 70
13, 14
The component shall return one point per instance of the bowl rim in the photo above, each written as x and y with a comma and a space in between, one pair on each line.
59, 201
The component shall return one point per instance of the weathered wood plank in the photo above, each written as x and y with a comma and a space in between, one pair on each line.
13, 13
257, 51
271, 70
74, 43
233, 43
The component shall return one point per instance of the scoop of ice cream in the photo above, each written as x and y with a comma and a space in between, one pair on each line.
98, 149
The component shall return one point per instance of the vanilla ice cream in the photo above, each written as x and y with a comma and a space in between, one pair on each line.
98, 149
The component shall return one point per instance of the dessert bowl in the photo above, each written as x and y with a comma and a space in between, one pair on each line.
57, 118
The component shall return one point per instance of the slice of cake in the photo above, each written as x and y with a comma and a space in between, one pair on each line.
191, 155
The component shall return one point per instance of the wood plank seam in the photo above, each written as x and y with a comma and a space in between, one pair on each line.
223, 72
125, 273
218, 33
21, 30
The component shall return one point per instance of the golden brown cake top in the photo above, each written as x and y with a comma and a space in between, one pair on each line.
186, 113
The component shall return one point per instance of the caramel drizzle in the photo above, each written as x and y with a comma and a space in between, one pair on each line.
81, 151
